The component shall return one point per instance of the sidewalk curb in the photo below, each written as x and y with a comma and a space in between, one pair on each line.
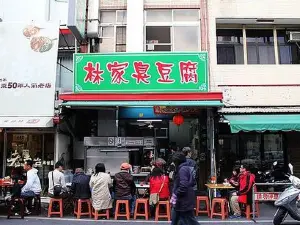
144, 221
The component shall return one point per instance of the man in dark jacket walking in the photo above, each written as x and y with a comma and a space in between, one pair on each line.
193, 165
80, 185
183, 197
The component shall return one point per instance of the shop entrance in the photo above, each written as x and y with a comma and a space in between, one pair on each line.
94, 127
166, 134
21, 145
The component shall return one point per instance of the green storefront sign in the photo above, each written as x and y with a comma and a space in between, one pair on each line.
141, 72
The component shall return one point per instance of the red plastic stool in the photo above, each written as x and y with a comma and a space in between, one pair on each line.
158, 214
224, 208
145, 202
249, 212
100, 213
207, 206
78, 208
118, 206
60, 203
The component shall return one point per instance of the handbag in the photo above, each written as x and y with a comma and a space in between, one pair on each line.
56, 188
154, 198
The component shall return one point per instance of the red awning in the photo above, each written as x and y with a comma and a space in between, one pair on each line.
143, 97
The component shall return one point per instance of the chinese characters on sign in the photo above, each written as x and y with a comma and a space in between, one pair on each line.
4, 84
142, 72
266, 196
188, 72
175, 110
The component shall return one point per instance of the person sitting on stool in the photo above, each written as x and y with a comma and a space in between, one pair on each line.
124, 186
32, 186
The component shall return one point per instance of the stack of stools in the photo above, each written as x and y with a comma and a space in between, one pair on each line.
223, 203
60, 205
205, 200
101, 213
20, 203
159, 206
118, 212
79, 203
142, 202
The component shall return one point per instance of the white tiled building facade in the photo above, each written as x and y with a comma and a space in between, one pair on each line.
272, 81
265, 70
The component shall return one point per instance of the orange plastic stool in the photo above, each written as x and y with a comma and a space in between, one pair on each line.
207, 206
101, 213
145, 202
78, 208
118, 206
167, 215
249, 209
60, 203
224, 208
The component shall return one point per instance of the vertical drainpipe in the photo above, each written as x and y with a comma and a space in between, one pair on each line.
48, 10
83, 47
205, 46
5, 156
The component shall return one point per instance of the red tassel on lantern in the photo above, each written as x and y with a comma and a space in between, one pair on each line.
178, 119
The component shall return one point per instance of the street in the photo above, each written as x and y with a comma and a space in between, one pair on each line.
65, 221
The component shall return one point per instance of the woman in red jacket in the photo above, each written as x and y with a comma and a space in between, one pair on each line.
159, 183
244, 195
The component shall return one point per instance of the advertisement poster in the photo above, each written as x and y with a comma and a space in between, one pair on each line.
28, 69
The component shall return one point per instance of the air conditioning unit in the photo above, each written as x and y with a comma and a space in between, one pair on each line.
294, 36
93, 19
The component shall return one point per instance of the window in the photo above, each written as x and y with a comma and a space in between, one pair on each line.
64, 73
37, 146
113, 31
230, 46
121, 39
260, 47
255, 151
172, 30
288, 52
158, 38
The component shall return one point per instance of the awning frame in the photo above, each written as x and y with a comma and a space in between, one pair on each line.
141, 103
263, 122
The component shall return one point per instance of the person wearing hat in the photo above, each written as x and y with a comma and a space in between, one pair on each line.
244, 195
124, 186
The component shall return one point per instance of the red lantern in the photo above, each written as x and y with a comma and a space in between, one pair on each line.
178, 119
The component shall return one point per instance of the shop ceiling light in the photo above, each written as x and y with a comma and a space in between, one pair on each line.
149, 120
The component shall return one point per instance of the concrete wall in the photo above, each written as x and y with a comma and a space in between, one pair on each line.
107, 123
256, 9
265, 84
61, 148
39, 10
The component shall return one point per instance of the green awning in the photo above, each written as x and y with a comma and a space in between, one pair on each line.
261, 123
142, 103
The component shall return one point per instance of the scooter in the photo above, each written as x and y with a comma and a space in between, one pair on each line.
287, 202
